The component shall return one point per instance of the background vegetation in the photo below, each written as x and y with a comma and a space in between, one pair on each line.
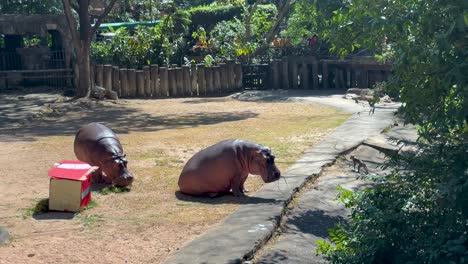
417, 214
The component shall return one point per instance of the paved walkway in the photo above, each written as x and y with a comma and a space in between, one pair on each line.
316, 211
250, 227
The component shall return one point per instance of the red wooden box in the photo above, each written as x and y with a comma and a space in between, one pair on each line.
70, 182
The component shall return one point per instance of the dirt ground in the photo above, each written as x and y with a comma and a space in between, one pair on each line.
153, 220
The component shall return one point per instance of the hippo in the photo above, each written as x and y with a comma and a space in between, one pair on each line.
225, 166
97, 145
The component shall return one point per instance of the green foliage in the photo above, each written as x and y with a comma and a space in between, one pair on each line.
418, 213
161, 44
40, 206
230, 2
113, 189
229, 38
31, 7
209, 16
262, 21
208, 60
308, 17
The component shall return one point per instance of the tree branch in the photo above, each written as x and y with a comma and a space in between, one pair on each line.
102, 16
248, 18
71, 22
274, 29
75, 7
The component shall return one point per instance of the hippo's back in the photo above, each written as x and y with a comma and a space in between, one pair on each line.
87, 145
94, 132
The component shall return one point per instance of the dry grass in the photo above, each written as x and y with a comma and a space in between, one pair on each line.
151, 221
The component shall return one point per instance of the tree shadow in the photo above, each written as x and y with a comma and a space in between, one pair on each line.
282, 95
274, 257
119, 118
315, 222
226, 198
205, 100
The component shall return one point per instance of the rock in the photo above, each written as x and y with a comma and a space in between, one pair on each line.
361, 92
4, 235
386, 99
112, 95
98, 92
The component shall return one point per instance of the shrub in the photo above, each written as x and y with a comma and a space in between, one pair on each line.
209, 16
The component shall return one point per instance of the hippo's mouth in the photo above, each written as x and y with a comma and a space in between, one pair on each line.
123, 181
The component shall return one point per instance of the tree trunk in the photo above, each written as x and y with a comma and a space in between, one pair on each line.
83, 76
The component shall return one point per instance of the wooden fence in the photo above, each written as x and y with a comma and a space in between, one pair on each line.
307, 72
156, 82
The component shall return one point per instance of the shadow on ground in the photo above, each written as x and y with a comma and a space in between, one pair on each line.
314, 222
15, 124
53, 215
282, 95
224, 199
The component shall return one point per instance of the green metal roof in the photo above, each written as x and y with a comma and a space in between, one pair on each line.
129, 25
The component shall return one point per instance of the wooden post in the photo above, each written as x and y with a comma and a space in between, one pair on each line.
115, 80
232, 75
132, 86
209, 80
284, 73
107, 77
193, 76
99, 75
325, 74
187, 85
305, 75
294, 75
274, 75
154, 81
341, 79
123, 83
224, 75
315, 79
140, 83
147, 81
365, 78
238, 79
164, 82
217, 80
92, 75
171, 81
201, 80
179, 78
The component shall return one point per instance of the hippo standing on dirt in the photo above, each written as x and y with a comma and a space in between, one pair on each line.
97, 145
225, 166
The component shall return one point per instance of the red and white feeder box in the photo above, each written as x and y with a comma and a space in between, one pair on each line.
70, 182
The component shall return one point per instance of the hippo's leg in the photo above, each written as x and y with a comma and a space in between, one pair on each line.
236, 186
241, 187
98, 177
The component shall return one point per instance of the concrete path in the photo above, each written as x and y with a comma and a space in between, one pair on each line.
249, 227
316, 211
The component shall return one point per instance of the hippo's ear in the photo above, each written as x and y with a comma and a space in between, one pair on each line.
262, 153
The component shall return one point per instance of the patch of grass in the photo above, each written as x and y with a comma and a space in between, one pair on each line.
40, 206
90, 220
91, 205
113, 189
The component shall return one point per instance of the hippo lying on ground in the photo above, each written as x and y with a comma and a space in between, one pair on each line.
97, 145
225, 166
